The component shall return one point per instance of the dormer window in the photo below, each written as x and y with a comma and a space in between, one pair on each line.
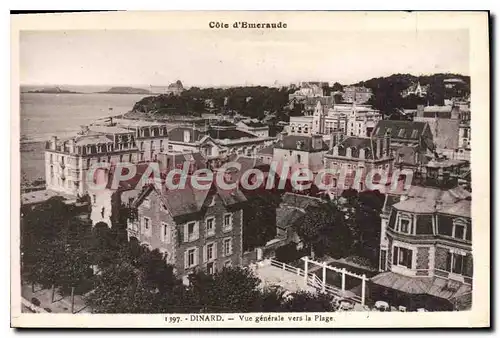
405, 225
401, 133
459, 229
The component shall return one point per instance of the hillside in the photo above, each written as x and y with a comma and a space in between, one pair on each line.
249, 101
52, 90
387, 91
125, 90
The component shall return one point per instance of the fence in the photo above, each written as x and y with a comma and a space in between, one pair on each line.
314, 281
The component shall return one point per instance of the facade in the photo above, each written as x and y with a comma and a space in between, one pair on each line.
450, 127
354, 120
193, 229
355, 94
425, 249
111, 141
300, 151
355, 153
68, 161
411, 142
151, 137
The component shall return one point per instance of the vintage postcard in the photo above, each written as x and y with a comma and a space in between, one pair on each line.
250, 169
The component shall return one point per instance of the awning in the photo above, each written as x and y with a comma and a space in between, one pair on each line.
450, 290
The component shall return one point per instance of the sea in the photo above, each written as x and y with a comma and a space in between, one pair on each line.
62, 115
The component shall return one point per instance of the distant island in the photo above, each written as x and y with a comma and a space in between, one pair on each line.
125, 90
52, 90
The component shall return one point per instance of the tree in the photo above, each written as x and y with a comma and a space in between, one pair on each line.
232, 289
260, 219
322, 228
303, 301
337, 87
363, 211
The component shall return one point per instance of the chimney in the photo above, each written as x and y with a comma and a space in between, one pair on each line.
379, 148
71, 146
53, 142
420, 110
386, 145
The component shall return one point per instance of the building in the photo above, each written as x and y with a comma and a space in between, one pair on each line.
411, 142
364, 153
356, 94
425, 250
416, 89
67, 161
453, 82
106, 203
354, 120
308, 89
193, 229
292, 207
450, 127
216, 141
254, 126
151, 137
300, 151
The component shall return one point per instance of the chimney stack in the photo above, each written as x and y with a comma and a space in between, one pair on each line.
53, 142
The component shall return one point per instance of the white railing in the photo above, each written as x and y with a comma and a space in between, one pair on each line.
32, 306
313, 280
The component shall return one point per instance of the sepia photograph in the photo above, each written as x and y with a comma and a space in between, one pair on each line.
250, 169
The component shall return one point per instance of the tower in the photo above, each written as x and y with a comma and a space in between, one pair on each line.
318, 126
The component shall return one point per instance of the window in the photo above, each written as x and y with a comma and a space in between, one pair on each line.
211, 268
210, 252
191, 231
210, 226
402, 257
130, 157
383, 254
146, 203
405, 225
227, 264
228, 222
190, 258
51, 159
165, 233
146, 222
227, 246
94, 199
459, 231
455, 263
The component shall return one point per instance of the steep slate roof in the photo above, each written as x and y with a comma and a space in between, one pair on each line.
425, 285
189, 200
461, 208
290, 142
177, 134
231, 134
445, 132
396, 126
269, 150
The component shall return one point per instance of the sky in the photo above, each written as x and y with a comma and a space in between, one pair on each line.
214, 58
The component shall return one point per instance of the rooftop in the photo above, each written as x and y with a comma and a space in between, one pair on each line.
303, 143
